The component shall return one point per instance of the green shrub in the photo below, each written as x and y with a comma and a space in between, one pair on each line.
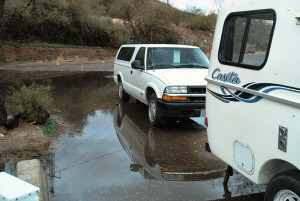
31, 102
200, 22
76, 22
50, 128
89, 23
26, 59
171, 40
3, 61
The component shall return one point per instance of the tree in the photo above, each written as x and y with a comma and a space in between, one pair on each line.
144, 17
193, 10
2, 3
218, 4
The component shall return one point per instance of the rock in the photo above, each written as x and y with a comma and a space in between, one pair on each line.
32, 172
1, 135
35, 133
12, 122
3, 130
56, 110
20, 134
14, 133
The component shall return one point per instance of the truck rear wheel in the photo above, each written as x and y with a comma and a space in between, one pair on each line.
284, 186
153, 112
122, 93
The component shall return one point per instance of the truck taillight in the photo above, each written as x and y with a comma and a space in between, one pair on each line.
206, 121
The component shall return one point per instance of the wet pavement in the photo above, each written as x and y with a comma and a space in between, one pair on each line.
112, 153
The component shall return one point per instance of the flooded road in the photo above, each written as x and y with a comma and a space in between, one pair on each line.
111, 152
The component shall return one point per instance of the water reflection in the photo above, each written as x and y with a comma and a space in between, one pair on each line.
175, 153
76, 95
93, 164
79, 96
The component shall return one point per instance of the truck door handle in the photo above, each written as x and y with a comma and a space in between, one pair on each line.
130, 72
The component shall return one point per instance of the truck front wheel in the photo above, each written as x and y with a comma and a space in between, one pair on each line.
122, 94
153, 112
284, 186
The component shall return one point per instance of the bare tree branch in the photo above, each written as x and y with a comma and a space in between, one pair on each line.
218, 4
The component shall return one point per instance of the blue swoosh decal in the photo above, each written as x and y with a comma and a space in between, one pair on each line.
239, 96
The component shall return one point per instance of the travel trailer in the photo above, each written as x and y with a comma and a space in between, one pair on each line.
253, 93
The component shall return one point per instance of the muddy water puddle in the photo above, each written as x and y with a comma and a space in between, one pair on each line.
110, 152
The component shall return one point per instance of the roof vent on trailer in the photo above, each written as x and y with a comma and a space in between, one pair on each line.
298, 18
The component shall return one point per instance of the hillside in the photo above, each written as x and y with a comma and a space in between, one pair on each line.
94, 23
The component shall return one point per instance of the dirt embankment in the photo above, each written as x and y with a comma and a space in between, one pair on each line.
28, 137
11, 53
200, 38
39, 52
25, 137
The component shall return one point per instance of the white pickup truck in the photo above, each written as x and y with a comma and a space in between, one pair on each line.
167, 78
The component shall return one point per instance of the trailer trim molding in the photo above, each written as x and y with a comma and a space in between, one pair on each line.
259, 95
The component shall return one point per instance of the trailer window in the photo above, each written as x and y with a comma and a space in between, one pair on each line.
246, 39
126, 53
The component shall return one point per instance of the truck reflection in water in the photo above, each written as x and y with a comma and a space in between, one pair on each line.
174, 153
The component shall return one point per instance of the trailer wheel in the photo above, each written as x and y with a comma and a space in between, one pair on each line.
122, 93
284, 186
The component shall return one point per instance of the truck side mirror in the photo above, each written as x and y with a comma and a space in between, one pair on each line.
137, 64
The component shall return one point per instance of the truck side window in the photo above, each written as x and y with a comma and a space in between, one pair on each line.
246, 39
126, 53
141, 55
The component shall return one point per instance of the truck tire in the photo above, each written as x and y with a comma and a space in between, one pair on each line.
120, 115
149, 149
122, 93
153, 112
284, 186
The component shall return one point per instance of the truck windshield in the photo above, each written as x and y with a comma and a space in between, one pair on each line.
162, 58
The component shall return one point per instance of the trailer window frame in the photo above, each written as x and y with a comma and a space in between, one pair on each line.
245, 38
